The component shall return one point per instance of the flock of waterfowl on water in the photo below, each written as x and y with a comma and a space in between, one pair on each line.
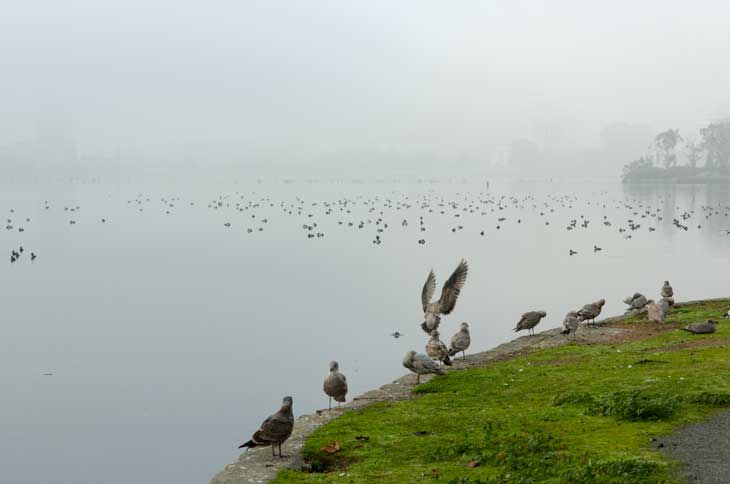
277, 428
477, 213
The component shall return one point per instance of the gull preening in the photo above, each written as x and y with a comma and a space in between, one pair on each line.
590, 312
701, 328
436, 349
570, 323
335, 384
529, 320
460, 341
432, 311
275, 429
421, 364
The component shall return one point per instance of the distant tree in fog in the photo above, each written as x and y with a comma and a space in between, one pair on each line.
665, 143
716, 143
638, 169
693, 151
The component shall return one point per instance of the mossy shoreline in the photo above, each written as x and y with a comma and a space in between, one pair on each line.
558, 411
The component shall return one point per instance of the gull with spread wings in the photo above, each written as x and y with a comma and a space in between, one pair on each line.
432, 311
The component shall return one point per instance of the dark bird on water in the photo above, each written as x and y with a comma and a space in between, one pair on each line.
396, 334
432, 311
275, 429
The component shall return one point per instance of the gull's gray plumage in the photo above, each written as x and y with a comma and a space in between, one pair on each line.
570, 323
460, 341
667, 290
701, 328
590, 312
436, 349
529, 320
637, 301
335, 384
432, 311
421, 365
275, 429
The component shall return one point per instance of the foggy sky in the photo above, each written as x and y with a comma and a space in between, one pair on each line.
299, 80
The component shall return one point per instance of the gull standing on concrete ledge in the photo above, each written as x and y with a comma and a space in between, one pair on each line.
460, 341
436, 349
275, 429
335, 384
529, 320
570, 323
421, 365
432, 311
591, 311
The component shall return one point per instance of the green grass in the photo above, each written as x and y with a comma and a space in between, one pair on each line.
568, 415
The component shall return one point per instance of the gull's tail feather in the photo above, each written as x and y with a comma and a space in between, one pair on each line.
248, 445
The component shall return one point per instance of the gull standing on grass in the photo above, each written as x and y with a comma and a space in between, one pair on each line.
432, 311
275, 429
421, 365
335, 384
529, 320
460, 341
436, 349
590, 312
701, 328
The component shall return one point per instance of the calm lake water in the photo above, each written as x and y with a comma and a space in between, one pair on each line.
170, 336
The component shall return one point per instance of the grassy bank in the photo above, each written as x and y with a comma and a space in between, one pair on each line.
578, 413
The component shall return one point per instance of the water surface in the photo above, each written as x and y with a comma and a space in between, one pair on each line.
170, 336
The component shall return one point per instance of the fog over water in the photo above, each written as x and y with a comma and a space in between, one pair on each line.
170, 336
345, 85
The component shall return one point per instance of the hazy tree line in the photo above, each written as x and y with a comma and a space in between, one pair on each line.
707, 157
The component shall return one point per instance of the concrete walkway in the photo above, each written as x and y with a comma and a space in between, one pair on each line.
704, 448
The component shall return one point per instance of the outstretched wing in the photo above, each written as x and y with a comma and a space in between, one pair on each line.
452, 288
428, 289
